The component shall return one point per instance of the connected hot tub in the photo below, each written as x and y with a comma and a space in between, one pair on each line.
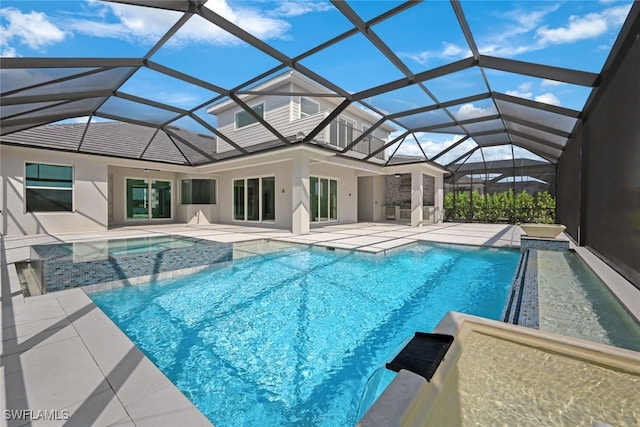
122, 261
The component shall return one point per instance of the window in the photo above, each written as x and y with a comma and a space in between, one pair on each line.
243, 118
148, 199
341, 132
324, 199
308, 107
254, 199
365, 145
49, 188
198, 192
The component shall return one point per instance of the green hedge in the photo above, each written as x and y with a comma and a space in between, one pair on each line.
501, 207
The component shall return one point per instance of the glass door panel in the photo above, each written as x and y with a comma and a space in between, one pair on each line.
238, 199
333, 199
253, 199
269, 199
314, 191
137, 199
324, 199
161, 199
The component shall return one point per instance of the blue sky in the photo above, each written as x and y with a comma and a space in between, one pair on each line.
571, 34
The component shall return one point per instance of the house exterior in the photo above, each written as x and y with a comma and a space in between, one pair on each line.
294, 105
48, 186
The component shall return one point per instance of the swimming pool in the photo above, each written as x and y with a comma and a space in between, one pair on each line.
291, 337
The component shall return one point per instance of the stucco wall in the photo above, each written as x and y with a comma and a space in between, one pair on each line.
282, 172
371, 193
120, 175
199, 214
347, 189
196, 214
89, 198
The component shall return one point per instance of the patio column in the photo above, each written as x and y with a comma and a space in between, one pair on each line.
416, 198
300, 193
439, 198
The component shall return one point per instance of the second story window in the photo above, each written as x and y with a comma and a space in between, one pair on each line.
243, 118
308, 107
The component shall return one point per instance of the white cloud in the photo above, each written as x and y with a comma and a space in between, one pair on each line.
523, 91
432, 147
289, 8
33, 29
145, 25
548, 98
497, 152
421, 58
449, 51
9, 52
507, 40
251, 20
470, 111
550, 83
583, 27
513, 39
409, 148
579, 28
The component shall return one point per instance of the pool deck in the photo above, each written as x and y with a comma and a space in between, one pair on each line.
61, 353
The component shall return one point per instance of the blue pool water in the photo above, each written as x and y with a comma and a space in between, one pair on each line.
291, 337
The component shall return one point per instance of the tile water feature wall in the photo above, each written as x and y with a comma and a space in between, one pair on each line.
55, 268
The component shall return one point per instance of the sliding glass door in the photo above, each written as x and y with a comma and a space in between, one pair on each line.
254, 199
238, 199
148, 199
269, 198
323, 199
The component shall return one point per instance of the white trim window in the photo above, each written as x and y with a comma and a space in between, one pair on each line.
341, 132
308, 107
254, 199
243, 118
48, 188
323, 199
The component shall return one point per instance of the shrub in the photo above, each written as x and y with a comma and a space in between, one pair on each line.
500, 207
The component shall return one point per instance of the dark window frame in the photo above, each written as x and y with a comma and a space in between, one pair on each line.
38, 197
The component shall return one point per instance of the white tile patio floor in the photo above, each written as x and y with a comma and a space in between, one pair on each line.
60, 352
